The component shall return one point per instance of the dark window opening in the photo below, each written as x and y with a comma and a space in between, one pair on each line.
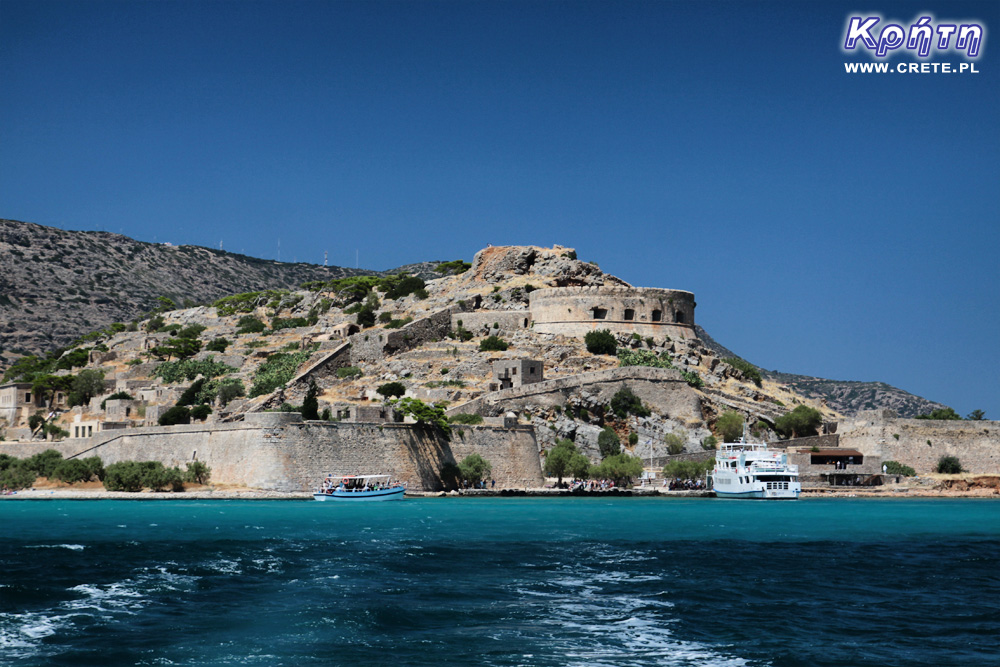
679, 317
600, 313
657, 316
629, 314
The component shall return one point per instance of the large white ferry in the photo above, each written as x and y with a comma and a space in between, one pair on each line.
360, 487
749, 470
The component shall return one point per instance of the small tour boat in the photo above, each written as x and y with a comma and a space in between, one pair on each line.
748, 470
360, 487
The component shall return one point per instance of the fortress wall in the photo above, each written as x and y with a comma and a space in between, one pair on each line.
373, 345
509, 321
975, 443
664, 389
570, 311
287, 455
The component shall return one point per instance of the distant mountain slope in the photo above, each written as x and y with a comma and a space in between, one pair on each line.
844, 396
57, 285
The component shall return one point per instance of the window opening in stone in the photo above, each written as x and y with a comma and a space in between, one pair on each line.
679, 317
629, 314
657, 316
600, 313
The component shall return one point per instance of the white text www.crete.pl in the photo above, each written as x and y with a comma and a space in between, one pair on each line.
910, 68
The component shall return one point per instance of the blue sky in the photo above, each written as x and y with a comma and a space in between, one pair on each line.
829, 224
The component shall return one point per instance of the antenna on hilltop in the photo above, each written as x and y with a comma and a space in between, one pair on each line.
279, 250
355, 259
220, 244
325, 253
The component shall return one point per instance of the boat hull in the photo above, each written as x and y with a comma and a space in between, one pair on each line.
361, 496
757, 495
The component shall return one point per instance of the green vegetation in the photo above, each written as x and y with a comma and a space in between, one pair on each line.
86, 385
398, 324
751, 372
801, 422
608, 443
136, 475
181, 348
227, 389
398, 286
391, 390
246, 302
633, 439
601, 342
474, 468
674, 442
277, 370
976, 415
730, 426
941, 413
493, 344
179, 414
949, 465
217, 345
200, 412
310, 405
173, 372
688, 469
453, 268
566, 460
349, 373
897, 468
693, 379
427, 416
625, 402
117, 396
711, 442
627, 357
621, 468
197, 473
72, 471
466, 418
249, 324
279, 323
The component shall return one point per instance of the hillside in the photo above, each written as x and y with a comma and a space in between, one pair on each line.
58, 285
845, 396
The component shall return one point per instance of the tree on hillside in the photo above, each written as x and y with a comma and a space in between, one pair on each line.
730, 426
976, 415
87, 384
621, 468
601, 342
801, 422
310, 405
608, 442
391, 389
566, 460
945, 414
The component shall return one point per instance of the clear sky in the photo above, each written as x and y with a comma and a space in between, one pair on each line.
830, 224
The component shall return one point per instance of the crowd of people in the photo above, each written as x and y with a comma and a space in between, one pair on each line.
678, 484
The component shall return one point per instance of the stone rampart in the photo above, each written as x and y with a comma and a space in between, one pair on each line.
373, 345
663, 389
920, 443
279, 452
507, 321
575, 311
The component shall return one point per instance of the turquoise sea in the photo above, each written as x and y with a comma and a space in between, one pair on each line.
500, 581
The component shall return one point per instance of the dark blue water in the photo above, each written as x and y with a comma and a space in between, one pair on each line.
500, 582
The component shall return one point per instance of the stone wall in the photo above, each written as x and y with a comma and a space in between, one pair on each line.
570, 311
663, 389
920, 443
278, 451
374, 345
479, 322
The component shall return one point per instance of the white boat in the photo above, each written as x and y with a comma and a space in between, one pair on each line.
359, 488
748, 470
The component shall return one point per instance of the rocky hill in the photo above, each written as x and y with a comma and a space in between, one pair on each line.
57, 285
845, 396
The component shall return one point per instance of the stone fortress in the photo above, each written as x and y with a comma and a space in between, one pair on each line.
524, 394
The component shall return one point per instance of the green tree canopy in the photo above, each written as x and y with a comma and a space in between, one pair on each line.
976, 415
566, 460
730, 426
625, 402
801, 422
474, 468
622, 468
947, 414
87, 384
608, 442
310, 405
601, 342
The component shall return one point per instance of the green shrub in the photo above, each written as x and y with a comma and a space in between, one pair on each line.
693, 379
949, 465
275, 371
730, 426
72, 471
17, 475
398, 324
453, 268
621, 468
624, 403
711, 442
675, 444
197, 473
897, 468
466, 418
750, 371
117, 396
44, 463
474, 468
801, 422
385, 317
688, 469
493, 344
249, 324
628, 357
218, 345
633, 439
178, 414
192, 393
247, 302
124, 476
200, 412
310, 406
947, 414
278, 323
608, 442
391, 390
350, 372
191, 331
401, 285
601, 342
428, 416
